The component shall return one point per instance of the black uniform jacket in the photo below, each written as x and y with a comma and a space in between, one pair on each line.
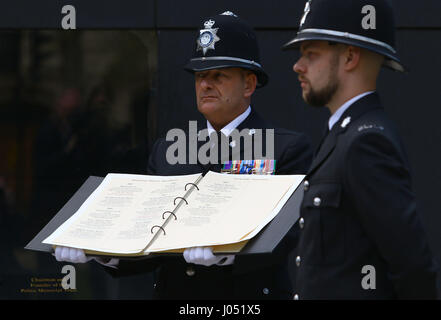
248, 278
360, 234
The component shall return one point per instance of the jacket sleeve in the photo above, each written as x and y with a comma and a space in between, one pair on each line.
378, 179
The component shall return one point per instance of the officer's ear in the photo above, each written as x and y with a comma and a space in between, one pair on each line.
250, 83
351, 56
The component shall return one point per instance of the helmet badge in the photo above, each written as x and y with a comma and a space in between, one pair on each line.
207, 37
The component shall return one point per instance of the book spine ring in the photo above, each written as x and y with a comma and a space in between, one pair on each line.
156, 226
191, 184
174, 201
170, 213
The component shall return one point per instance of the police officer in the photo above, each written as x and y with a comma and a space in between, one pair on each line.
227, 70
361, 236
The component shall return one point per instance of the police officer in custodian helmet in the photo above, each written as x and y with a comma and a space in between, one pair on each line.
227, 70
361, 235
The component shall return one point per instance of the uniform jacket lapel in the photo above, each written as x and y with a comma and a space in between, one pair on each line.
253, 121
325, 149
360, 107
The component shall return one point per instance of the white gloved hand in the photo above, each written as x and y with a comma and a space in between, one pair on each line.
72, 255
204, 256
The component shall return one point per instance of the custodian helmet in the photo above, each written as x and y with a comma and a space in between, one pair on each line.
226, 41
367, 24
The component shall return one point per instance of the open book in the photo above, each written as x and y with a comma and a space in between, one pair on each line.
134, 215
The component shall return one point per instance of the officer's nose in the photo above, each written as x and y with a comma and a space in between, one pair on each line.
299, 67
206, 84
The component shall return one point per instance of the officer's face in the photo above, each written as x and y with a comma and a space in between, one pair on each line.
318, 68
223, 94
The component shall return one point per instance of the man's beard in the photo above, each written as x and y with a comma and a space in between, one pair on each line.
321, 97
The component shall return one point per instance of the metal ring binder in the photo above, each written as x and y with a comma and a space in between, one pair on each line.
192, 184
151, 230
174, 201
170, 213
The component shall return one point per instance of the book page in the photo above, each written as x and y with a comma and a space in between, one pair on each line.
119, 214
227, 209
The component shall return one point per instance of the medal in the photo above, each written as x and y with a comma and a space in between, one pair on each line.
249, 167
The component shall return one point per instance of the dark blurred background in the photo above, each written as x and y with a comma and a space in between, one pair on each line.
75, 103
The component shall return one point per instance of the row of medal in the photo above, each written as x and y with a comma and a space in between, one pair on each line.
249, 167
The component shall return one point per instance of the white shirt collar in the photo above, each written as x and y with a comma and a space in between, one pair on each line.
336, 116
232, 125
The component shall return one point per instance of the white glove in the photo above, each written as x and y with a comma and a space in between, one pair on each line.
204, 256
72, 255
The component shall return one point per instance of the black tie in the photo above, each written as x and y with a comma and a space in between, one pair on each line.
217, 166
222, 139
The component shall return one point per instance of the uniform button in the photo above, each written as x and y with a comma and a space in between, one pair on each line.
301, 223
265, 290
190, 271
298, 260
306, 185
317, 201
296, 297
